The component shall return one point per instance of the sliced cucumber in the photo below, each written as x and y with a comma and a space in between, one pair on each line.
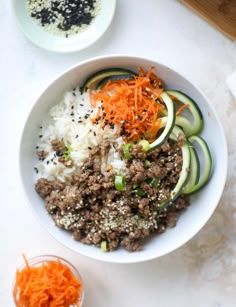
194, 171
184, 124
197, 124
207, 163
170, 121
96, 78
184, 171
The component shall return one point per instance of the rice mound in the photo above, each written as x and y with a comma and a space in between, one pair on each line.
70, 123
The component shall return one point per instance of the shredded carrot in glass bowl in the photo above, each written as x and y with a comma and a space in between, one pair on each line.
48, 281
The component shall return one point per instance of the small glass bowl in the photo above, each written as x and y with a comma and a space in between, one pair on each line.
39, 260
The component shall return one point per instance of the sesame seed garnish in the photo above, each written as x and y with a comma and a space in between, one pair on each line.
65, 16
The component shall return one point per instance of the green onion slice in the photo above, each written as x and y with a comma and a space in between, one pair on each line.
140, 192
66, 154
104, 246
145, 145
120, 183
155, 182
126, 151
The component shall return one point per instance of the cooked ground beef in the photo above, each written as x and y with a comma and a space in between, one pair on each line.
42, 154
91, 208
58, 146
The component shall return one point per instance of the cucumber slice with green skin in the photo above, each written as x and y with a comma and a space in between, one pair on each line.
207, 167
169, 121
184, 174
114, 78
193, 108
93, 80
194, 171
184, 124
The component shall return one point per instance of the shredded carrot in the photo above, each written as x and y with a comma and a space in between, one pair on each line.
131, 105
51, 284
185, 106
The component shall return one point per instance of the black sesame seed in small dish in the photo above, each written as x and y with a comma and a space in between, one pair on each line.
64, 25
63, 17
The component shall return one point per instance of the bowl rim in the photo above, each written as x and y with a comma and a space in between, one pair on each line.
224, 166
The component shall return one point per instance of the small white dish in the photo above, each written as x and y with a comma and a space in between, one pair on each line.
58, 43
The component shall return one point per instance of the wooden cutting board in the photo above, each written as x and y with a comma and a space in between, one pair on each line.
219, 13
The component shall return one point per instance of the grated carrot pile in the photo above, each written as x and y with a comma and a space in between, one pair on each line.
50, 285
131, 104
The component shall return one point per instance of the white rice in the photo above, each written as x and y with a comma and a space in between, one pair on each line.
68, 122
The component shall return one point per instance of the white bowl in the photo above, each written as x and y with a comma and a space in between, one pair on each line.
61, 44
203, 203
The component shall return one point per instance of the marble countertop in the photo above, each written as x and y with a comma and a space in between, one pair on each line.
202, 272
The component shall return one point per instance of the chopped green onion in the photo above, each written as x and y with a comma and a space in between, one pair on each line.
147, 163
104, 246
120, 183
155, 182
126, 151
145, 145
66, 154
140, 192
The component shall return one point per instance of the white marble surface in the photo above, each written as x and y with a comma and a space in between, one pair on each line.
201, 273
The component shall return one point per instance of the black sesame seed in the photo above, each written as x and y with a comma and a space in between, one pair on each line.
90, 148
36, 170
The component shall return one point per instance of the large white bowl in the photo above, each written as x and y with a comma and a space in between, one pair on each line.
203, 203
